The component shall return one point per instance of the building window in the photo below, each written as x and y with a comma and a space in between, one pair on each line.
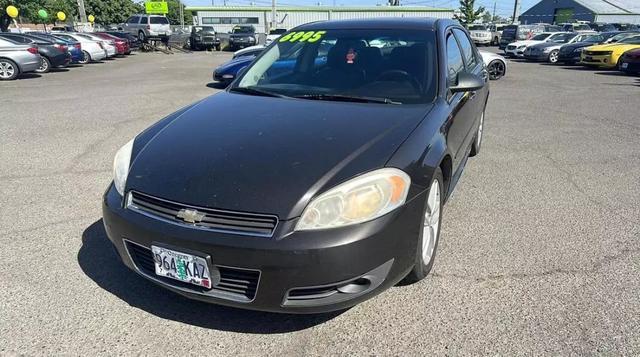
229, 20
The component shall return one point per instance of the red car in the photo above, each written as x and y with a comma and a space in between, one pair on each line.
630, 62
122, 45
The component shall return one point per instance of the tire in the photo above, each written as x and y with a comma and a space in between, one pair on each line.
45, 66
86, 58
477, 140
142, 37
496, 41
9, 70
431, 223
218, 48
496, 69
554, 56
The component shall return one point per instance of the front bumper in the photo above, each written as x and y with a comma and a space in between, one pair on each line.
569, 57
482, 40
537, 57
603, 61
314, 263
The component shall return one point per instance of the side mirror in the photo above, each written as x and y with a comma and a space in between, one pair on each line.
467, 82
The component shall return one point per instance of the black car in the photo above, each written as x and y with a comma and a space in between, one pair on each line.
570, 53
134, 41
203, 37
54, 55
242, 36
307, 187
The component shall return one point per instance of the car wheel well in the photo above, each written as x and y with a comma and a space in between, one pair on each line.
446, 168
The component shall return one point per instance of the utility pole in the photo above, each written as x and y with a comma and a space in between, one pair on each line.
181, 14
82, 11
273, 15
493, 17
516, 11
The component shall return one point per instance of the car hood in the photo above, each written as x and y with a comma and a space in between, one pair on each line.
575, 45
266, 155
235, 64
527, 43
618, 47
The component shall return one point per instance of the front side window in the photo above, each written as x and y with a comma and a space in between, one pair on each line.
397, 65
467, 49
455, 64
541, 37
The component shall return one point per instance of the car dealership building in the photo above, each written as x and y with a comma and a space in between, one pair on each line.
602, 11
224, 18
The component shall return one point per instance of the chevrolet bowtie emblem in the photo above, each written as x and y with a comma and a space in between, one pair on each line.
190, 215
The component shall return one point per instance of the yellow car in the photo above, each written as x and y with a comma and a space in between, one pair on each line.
607, 55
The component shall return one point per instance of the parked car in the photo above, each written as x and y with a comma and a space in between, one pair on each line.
516, 49
63, 28
331, 196
122, 45
92, 50
496, 64
17, 58
514, 33
227, 72
249, 51
108, 45
550, 51
242, 36
576, 27
73, 47
134, 42
600, 27
570, 53
621, 36
52, 54
608, 55
630, 62
274, 35
484, 34
204, 38
147, 27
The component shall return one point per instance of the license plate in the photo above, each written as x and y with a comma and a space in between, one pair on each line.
180, 266
624, 65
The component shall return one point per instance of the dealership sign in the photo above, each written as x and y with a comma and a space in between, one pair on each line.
156, 7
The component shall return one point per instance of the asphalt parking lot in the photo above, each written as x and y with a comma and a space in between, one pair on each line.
539, 253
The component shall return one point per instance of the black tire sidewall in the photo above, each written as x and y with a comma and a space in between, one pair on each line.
421, 270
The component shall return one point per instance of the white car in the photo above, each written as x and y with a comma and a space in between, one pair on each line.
109, 45
249, 51
92, 50
516, 49
274, 35
496, 64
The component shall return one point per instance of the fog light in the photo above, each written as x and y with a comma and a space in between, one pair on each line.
606, 60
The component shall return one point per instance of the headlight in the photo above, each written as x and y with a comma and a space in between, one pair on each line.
520, 47
579, 49
358, 200
121, 166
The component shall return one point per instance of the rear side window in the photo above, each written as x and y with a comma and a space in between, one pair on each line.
455, 64
143, 20
158, 21
467, 49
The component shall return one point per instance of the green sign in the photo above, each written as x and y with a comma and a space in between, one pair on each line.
156, 7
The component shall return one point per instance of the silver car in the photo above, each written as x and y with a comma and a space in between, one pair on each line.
147, 27
17, 58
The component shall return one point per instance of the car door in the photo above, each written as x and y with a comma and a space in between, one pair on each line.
461, 112
476, 99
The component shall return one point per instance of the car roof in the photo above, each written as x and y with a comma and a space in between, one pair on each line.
377, 23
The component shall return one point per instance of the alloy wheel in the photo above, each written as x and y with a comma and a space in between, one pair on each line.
496, 70
431, 226
7, 70
553, 57
44, 66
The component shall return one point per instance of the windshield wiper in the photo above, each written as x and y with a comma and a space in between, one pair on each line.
347, 98
255, 91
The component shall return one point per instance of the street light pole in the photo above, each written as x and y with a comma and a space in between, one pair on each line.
82, 11
516, 11
273, 15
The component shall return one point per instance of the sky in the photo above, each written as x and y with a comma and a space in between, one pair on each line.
503, 7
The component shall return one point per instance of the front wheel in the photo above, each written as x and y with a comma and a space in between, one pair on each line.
8, 69
496, 69
554, 56
45, 66
430, 232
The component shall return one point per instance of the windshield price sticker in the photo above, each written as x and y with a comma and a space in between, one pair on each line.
303, 36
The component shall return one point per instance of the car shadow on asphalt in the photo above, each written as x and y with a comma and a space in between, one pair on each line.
217, 85
28, 76
99, 262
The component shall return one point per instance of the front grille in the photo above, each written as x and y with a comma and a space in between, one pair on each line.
211, 219
597, 53
511, 47
235, 283
207, 39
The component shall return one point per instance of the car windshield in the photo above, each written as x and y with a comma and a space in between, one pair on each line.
242, 30
560, 37
541, 37
593, 38
391, 66
477, 28
633, 40
203, 28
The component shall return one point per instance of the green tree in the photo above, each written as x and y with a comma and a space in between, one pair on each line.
112, 11
174, 13
468, 14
